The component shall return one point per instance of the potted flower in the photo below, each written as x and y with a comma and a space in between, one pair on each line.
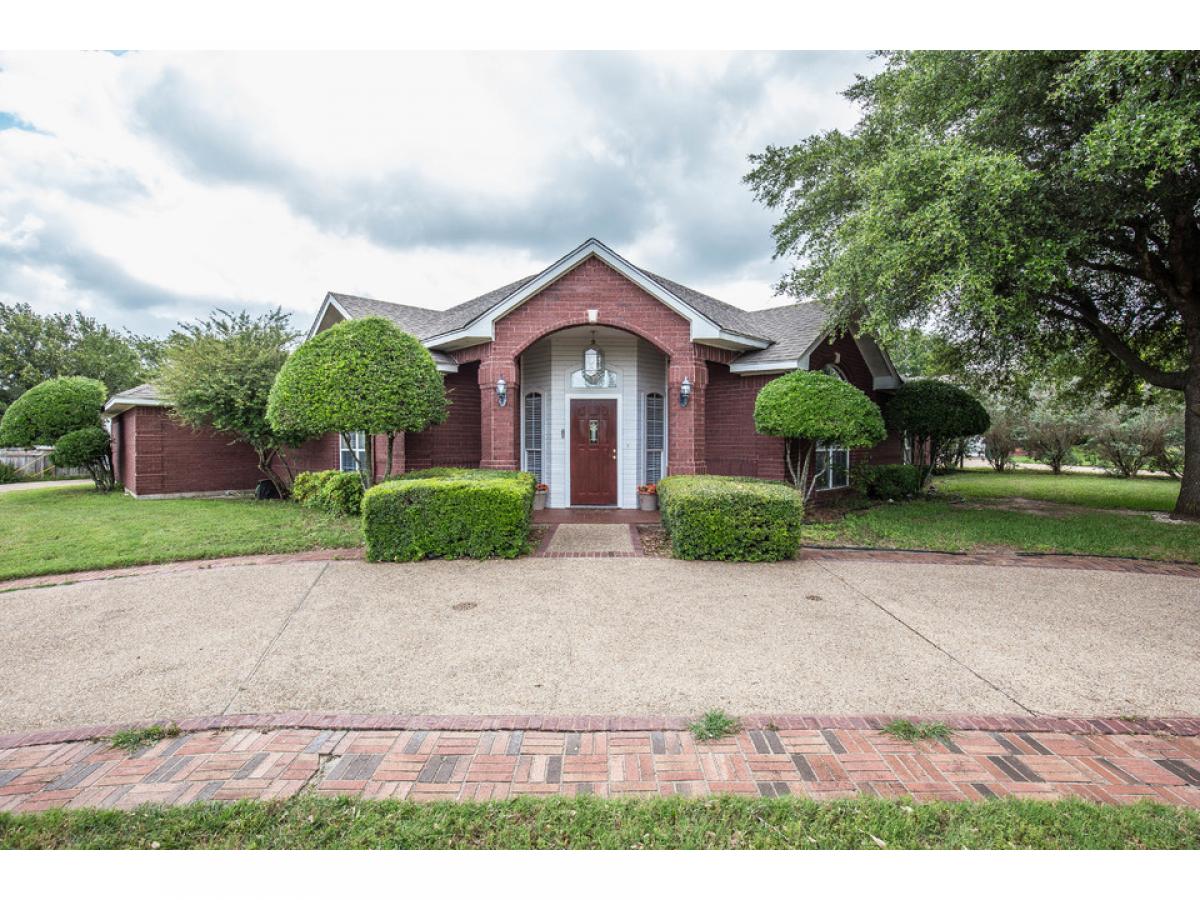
648, 497
540, 493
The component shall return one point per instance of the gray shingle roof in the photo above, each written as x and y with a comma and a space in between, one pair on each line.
793, 328
141, 392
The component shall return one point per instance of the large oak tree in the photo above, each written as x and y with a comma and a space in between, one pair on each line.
1024, 204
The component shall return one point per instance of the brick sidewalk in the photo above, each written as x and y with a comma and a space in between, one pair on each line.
821, 763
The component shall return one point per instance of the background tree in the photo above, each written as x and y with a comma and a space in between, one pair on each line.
805, 408
35, 348
63, 411
1024, 203
1051, 438
1002, 439
932, 413
361, 375
218, 373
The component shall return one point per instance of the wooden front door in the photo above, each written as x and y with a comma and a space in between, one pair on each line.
593, 452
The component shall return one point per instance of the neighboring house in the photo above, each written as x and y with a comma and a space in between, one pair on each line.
593, 374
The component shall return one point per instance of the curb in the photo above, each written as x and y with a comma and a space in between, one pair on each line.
1176, 726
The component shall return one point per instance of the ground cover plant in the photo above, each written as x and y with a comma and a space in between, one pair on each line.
917, 731
724, 822
1154, 494
133, 739
72, 529
938, 524
714, 725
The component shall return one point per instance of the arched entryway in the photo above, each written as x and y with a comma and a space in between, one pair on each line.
593, 415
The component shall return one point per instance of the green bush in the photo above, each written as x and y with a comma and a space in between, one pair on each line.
9, 474
47, 411
719, 517
453, 513
334, 491
888, 482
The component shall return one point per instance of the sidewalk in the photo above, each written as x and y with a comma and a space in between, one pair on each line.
412, 764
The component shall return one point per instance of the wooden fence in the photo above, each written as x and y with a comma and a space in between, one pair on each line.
36, 463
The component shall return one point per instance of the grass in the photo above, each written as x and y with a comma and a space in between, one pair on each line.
1146, 493
135, 738
913, 731
941, 525
714, 725
73, 529
591, 823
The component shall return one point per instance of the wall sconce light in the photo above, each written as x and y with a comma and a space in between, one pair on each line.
685, 391
502, 391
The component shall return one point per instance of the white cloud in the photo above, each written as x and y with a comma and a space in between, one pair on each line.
151, 187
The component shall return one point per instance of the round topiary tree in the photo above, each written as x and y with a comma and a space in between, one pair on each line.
47, 411
87, 448
63, 411
805, 408
931, 413
361, 375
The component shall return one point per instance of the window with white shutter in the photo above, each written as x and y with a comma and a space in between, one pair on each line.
654, 438
533, 435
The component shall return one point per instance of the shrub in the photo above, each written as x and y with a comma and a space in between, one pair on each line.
86, 448
47, 411
334, 491
720, 517
1001, 441
933, 412
452, 513
1051, 440
888, 482
9, 474
810, 407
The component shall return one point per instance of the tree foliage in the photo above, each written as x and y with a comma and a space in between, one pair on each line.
47, 411
932, 413
1026, 204
218, 373
87, 448
360, 375
810, 407
35, 348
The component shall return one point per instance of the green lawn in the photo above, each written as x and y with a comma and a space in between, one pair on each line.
71, 529
942, 525
588, 823
1075, 488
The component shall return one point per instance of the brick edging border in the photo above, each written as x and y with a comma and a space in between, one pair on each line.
1177, 726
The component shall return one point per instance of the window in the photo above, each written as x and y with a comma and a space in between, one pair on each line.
533, 435
349, 460
908, 449
833, 467
654, 438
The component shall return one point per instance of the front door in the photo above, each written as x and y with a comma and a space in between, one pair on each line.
593, 452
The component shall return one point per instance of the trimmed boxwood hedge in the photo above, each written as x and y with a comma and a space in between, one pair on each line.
448, 513
721, 517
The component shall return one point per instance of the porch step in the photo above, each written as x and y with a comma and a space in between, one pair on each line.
591, 541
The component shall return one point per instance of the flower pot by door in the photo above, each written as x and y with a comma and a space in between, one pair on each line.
539, 499
648, 502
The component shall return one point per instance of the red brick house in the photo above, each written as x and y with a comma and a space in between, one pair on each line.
593, 374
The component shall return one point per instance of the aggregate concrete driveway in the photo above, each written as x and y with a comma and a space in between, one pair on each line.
595, 636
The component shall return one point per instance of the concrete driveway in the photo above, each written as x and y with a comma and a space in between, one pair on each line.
619, 636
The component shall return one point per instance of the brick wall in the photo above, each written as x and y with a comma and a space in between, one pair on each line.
456, 442
733, 446
160, 456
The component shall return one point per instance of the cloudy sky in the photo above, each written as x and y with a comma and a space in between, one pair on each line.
146, 188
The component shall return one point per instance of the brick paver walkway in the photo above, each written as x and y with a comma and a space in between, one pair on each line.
482, 764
